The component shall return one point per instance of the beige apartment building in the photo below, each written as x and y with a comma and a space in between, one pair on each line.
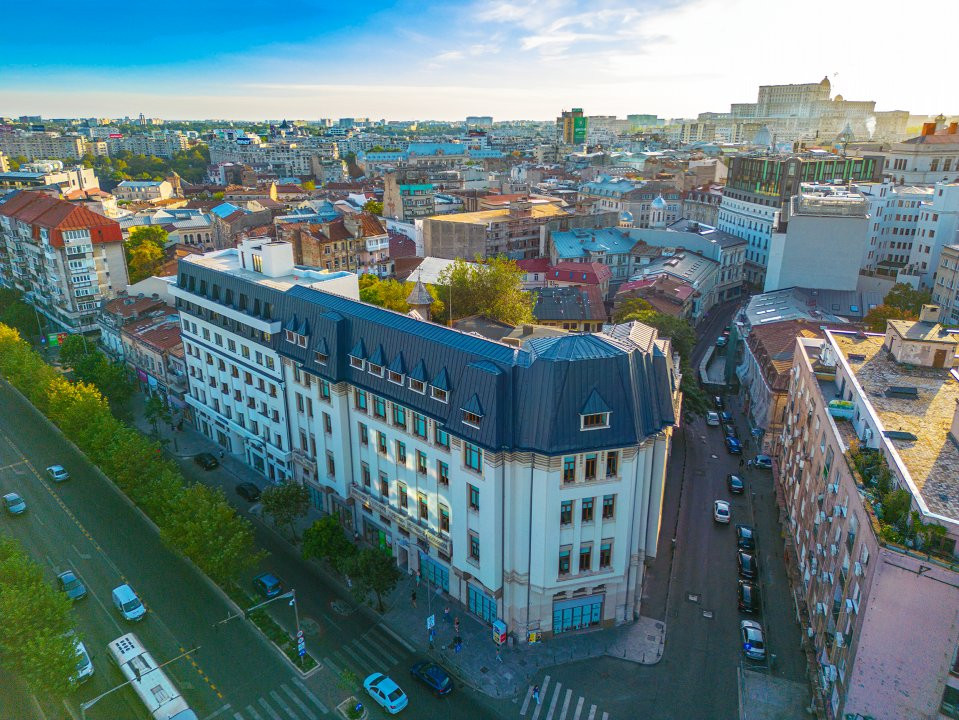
867, 477
945, 292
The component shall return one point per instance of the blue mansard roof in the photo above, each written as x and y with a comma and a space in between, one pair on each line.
530, 398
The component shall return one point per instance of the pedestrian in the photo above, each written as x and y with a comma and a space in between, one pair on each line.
499, 657
432, 637
750, 464
741, 462
417, 578
413, 598
457, 643
536, 693
446, 613
456, 625
222, 454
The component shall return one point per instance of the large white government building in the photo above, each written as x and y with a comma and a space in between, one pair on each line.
525, 482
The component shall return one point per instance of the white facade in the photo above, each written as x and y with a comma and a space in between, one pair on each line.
754, 223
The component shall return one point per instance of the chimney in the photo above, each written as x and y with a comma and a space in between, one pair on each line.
929, 128
953, 128
929, 314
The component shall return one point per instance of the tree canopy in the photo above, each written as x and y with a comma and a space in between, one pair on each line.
907, 298
91, 366
190, 164
373, 570
17, 314
391, 294
286, 503
326, 540
145, 251
373, 206
492, 287
875, 320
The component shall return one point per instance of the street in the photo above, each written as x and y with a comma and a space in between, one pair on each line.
84, 524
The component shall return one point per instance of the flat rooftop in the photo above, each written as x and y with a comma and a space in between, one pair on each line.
228, 261
480, 217
933, 459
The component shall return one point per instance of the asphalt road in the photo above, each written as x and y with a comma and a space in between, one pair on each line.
86, 525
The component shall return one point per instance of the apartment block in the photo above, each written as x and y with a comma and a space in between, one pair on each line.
43, 145
433, 443
931, 157
65, 258
945, 292
867, 476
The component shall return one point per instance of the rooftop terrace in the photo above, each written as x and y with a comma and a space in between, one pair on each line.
932, 459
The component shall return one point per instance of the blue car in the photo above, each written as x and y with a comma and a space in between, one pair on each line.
433, 676
268, 584
733, 446
14, 504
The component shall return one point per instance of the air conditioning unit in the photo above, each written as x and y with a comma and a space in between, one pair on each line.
833, 550
840, 640
857, 569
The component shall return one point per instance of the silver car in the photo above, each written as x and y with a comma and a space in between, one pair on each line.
754, 642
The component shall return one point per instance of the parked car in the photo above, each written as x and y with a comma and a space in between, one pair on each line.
433, 676
745, 538
73, 586
248, 491
712, 418
387, 693
733, 446
730, 430
268, 584
206, 461
721, 511
14, 504
754, 642
748, 597
735, 484
747, 565
718, 402
127, 603
84, 664
726, 417
721, 341
763, 461
58, 473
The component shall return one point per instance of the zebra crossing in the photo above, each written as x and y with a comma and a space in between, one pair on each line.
554, 704
291, 701
371, 652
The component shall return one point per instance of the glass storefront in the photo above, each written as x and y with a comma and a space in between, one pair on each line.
578, 613
433, 573
481, 604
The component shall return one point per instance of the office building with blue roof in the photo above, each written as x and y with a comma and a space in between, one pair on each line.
525, 482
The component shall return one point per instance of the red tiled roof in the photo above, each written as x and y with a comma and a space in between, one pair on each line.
162, 337
41, 210
290, 189
125, 309
370, 225
590, 273
773, 346
534, 265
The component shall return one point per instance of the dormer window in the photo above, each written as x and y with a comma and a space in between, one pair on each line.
438, 394
471, 419
595, 421
376, 370
290, 336
395, 377
473, 412
357, 362
417, 386
321, 358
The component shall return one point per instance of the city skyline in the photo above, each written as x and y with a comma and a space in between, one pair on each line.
442, 62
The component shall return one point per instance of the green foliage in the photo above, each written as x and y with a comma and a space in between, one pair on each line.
309, 185
373, 206
194, 520
391, 294
491, 287
875, 320
91, 366
190, 164
325, 539
286, 503
373, 570
907, 299
36, 619
156, 411
145, 251
18, 314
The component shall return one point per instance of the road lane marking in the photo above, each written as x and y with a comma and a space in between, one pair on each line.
286, 708
266, 707
13, 465
253, 713
579, 708
605, 716
83, 556
592, 712
562, 713
542, 693
299, 703
552, 705
237, 716
373, 658
529, 696
332, 665
225, 708
382, 648
310, 696
360, 661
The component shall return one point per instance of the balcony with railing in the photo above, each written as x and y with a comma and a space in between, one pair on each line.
414, 526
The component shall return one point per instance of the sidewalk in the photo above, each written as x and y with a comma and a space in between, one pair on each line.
476, 664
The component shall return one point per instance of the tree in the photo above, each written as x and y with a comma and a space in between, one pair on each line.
156, 411
72, 350
875, 320
373, 570
326, 540
491, 287
35, 644
373, 206
91, 366
145, 251
907, 298
18, 314
309, 186
286, 503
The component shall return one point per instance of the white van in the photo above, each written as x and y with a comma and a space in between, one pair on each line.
128, 604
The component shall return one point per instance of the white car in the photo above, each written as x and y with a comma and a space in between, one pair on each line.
754, 642
84, 663
386, 692
57, 473
721, 511
712, 418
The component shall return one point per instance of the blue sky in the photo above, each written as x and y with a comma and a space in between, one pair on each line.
444, 60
